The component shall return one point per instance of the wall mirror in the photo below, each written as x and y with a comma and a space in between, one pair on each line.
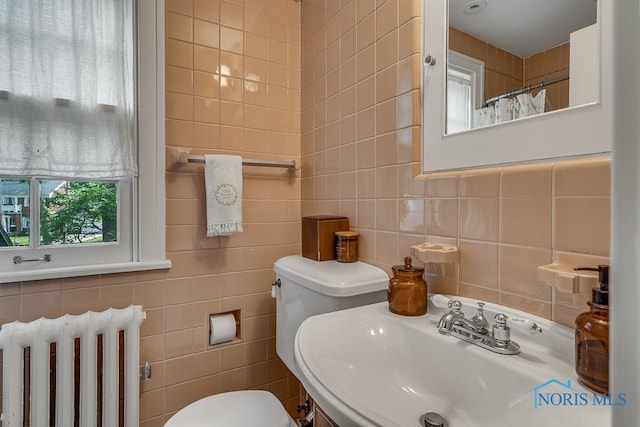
512, 81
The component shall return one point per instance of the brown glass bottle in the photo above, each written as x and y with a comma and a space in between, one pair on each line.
407, 290
592, 338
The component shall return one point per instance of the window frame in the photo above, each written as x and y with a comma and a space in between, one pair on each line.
72, 254
148, 235
473, 67
468, 78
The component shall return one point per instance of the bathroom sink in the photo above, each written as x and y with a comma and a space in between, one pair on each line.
369, 367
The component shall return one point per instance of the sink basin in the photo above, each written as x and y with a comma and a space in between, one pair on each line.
369, 367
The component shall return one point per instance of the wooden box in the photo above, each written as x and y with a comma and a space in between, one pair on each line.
318, 236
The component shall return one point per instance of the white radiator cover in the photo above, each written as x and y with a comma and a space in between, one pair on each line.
39, 334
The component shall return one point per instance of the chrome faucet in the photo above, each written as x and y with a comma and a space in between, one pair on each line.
476, 330
455, 307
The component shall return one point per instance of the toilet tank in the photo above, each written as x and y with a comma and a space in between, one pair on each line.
309, 287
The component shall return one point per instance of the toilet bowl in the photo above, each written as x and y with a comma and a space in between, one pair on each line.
234, 409
303, 288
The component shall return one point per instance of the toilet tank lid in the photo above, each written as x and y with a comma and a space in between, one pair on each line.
332, 278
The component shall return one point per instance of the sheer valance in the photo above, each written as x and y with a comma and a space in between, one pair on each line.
66, 88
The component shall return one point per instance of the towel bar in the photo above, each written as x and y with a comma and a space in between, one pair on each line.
249, 162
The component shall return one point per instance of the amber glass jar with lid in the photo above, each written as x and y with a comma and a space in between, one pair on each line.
347, 246
407, 290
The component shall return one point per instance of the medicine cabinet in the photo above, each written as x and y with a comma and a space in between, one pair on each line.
581, 126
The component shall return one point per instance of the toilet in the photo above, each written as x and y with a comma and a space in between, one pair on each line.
303, 288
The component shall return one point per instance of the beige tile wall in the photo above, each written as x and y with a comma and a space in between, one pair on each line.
547, 65
232, 86
511, 220
361, 159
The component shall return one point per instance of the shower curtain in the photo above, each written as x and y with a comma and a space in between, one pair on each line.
505, 109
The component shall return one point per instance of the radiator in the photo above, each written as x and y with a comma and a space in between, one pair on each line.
38, 335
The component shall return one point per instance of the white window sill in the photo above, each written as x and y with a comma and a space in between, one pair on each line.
85, 270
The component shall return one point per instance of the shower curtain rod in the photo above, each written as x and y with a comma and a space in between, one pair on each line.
524, 89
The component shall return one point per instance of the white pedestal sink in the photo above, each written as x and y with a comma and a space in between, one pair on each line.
369, 367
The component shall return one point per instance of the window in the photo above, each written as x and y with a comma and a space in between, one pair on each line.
8, 223
86, 207
465, 89
459, 100
68, 212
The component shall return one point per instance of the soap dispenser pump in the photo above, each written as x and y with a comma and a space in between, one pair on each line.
592, 336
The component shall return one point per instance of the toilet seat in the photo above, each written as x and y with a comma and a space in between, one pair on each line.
233, 409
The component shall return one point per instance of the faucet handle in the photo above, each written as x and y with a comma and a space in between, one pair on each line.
501, 320
478, 319
501, 332
455, 306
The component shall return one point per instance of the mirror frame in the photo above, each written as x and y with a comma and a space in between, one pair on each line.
571, 132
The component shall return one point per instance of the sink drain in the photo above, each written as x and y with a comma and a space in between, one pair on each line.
432, 419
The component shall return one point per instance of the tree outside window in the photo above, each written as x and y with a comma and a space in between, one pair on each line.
79, 212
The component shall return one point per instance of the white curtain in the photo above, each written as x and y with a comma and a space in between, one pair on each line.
505, 109
66, 88
458, 103
528, 105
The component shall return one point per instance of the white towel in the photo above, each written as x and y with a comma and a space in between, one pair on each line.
223, 185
